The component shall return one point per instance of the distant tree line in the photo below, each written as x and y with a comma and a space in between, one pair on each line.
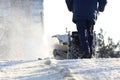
107, 50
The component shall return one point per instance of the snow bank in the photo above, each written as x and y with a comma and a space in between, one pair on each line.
50, 69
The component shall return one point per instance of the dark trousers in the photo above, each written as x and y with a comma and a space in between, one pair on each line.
85, 33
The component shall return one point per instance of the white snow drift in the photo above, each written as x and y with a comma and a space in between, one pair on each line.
51, 69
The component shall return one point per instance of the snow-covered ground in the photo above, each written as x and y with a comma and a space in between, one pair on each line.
51, 69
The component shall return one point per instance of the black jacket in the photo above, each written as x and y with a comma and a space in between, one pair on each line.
85, 9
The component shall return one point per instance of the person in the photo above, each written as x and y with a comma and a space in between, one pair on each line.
84, 16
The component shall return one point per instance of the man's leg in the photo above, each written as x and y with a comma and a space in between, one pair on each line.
90, 27
84, 45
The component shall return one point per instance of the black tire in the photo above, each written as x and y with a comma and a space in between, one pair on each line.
74, 51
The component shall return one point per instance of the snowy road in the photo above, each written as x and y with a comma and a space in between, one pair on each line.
50, 69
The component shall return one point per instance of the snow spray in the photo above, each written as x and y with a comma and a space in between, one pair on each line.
21, 29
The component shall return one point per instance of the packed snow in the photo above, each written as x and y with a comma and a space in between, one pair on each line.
51, 69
